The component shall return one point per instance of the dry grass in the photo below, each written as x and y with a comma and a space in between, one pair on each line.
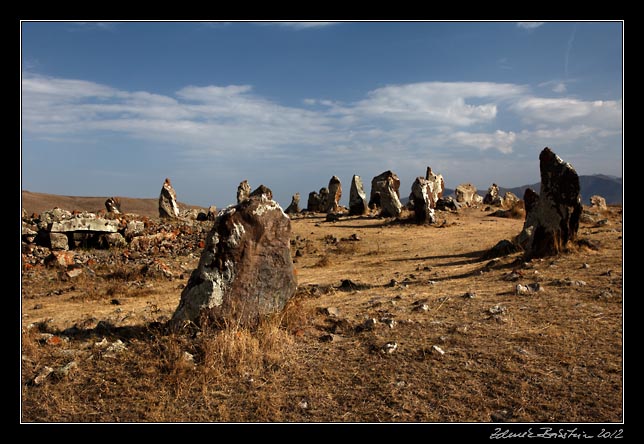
550, 356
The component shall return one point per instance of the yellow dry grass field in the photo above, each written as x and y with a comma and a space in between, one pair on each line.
392, 322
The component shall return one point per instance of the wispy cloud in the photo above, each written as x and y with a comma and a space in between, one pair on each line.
86, 26
302, 25
558, 86
529, 25
227, 121
569, 49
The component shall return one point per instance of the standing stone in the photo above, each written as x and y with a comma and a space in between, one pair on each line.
294, 207
389, 201
509, 200
492, 197
332, 203
438, 184
358, 204
324, 197
598, 203
554, 219
168, 207
422, 197
245, 270
380, 184
113, 205
465, 194
243, 191
314, 202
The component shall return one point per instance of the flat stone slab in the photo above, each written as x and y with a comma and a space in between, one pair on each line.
85, 224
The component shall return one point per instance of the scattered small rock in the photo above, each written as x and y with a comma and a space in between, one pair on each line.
584, 265
501, 416
327, 338
367, 325
391, 323
437, 350
42, 375
528, 289
497, 309
389, 347
332, 311
470, 295
303, 404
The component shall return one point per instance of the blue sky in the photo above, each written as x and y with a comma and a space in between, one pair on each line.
113, 108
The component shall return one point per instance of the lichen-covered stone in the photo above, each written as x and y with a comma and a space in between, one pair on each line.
245, 270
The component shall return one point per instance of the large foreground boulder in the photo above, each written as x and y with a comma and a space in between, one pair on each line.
552, 216
245, 270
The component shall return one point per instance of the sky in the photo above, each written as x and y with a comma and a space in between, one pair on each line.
114, 108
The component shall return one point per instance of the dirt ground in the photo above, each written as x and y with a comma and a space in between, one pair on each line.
392, 322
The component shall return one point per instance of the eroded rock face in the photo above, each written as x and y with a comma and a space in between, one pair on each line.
437, 185
465, 194
113, 205
168, 201
246, 269
598, 203
243, 191
492, 197
422, 197
552, 219
358, 204
386, 182
389, 200
294, 207
332, 203
313, 204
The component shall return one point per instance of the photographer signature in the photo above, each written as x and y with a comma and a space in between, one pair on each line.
549, 433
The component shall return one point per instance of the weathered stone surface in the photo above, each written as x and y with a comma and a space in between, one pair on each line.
245, 269
113, 205
112, 240
212, 212
423, 201
492, 197
85, 222
58, 241
553, 220
438, 183
509, 200
598, 203
324, 196
389, 201
294, 207
314, 202
332, 203
243, 191
263, 193
447, 204
386, 182
465, 194
358, 204
168, 201
62, 258
134, 228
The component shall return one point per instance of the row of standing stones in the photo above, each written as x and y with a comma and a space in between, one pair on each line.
246, 271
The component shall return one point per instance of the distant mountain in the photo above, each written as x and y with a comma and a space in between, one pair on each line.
608, 187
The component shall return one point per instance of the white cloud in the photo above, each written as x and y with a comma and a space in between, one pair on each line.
558, 86
601, 113
529, 25
499, 140
228, 121
437, 102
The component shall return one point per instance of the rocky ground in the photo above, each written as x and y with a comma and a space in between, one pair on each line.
392, 322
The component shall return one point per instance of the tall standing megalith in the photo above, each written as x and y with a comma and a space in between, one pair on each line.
246, 269
552, 216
